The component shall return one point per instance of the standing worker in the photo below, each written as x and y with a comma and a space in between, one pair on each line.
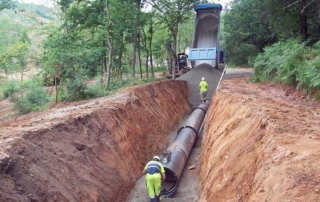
203, 90
154, 170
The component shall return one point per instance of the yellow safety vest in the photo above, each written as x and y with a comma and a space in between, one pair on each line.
203, 86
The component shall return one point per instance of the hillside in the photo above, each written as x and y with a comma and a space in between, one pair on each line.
25, 17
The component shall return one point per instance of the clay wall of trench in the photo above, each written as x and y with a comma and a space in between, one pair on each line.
94, 151
259, 150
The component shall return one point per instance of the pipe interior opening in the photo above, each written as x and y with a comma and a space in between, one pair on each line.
170, 185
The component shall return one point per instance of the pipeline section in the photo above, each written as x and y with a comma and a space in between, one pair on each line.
176, 156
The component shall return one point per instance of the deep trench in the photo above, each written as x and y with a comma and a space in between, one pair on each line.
188, 189
95, 151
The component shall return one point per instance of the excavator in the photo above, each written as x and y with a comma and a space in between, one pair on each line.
205, 45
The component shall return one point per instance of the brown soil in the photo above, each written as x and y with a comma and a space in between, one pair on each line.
88, 151
260, 143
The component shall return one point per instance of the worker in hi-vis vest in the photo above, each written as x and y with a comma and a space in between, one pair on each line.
203, 90
154, 170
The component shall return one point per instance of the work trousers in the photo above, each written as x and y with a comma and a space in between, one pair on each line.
154, 185
203, 96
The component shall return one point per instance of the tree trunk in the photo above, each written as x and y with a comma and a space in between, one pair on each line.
120, 56
173, 57
56, 87
147, 65
151, 58
22, 71
139, 55
104, 59
174, 52
133, 64
107, 72
171, 67
304, 26
109, 30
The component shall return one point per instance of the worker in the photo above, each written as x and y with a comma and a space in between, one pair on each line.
155, 171
203, 90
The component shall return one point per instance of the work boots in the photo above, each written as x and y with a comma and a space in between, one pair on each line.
156, 199
159, 198
153, 199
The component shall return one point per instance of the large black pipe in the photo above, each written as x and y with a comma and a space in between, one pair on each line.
176, 156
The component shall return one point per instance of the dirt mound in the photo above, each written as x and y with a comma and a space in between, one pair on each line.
93, 151
262, 144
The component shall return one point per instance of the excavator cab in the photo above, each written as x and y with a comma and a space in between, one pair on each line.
182, 60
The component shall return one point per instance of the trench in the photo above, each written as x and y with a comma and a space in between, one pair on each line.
258, 144
96, 150
89, 151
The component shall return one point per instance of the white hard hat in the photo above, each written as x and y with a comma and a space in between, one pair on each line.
202, 78
156, 158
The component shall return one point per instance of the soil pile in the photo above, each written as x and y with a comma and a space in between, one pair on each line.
261, 144
88, 151
193, 78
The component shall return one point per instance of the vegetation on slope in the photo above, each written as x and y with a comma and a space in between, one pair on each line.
279, 38
115, 42
74, 47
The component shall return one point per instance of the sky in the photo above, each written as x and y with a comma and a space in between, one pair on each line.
45, 2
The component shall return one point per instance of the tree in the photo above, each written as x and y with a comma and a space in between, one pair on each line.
149, 26
7, 4
172, 13
18, 54
138, 7
250, 25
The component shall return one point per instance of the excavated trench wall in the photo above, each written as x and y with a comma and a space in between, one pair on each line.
232, 132
94, 151
251, 154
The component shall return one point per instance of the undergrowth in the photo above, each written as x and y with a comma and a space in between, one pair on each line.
31, 96
290, 62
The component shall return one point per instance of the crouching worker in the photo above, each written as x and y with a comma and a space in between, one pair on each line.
154, 170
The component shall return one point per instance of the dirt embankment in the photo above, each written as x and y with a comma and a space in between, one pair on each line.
262, 143
93, 151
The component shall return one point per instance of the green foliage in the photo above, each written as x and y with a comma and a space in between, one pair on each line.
36, 98
309, 78
75, 90
7, 89
242, 54
290, 62
280, 62
7, 4
128, 81
262, 23
96, 90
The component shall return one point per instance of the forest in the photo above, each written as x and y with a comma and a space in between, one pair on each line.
89, 48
